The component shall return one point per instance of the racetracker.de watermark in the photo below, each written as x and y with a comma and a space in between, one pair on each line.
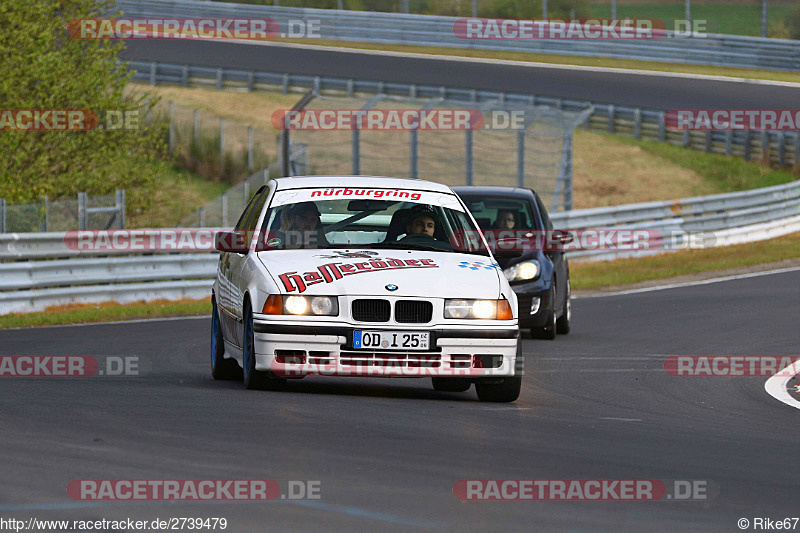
574, 29
68, 119
251, 29
732, 365
582, 489
192, 490
733, 119
71, 366
378, 119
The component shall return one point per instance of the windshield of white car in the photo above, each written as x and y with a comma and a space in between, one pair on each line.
345, 223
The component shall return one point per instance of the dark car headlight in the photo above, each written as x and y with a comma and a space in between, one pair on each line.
524, 271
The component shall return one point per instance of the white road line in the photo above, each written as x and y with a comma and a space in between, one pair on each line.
510, 62
691, 283
776, 387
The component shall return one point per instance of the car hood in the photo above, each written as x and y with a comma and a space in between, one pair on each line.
356, 272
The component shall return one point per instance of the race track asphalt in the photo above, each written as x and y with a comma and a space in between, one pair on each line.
596, 404
629, 89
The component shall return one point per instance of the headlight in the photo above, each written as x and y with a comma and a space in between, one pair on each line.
523, 271
301, 305
478, 309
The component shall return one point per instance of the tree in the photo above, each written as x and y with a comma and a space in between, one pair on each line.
44, 68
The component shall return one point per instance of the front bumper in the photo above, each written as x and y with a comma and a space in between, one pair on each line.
299, 350
527, 296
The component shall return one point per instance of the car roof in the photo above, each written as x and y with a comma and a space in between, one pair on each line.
487, 190
376, 182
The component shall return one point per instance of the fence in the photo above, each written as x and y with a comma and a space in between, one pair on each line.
780, 148
85, 212
428, 30
41, 269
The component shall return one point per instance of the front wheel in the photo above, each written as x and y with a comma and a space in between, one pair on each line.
253, 379
505, 391
563, 324
548, 332
221, 368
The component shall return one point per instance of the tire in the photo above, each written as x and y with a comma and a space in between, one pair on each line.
221, 368
548, 332
450, 384
563, 323
506, 391
254, 379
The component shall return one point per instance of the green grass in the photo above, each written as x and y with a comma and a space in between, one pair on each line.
736, 19
106, 312
626, 271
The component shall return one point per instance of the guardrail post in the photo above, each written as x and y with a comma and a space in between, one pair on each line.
46, 214
246, 191
202, 212
473, 95
356, 151
729, 142
2, 215
662, 126
146, 110
196, 128
611, 127
225, 210
285, 84
316, 84
153, 73
468, 161
765, 146
413, 144
185, 76
797, 150
82, 215
250, 154
637, 123
120, 205
219, 79
747, 145
709, 141
171, 128
687, 138
222, 141
521, 158
380, 87
350, 88
266, 175
781, 149
251, 81
412, 90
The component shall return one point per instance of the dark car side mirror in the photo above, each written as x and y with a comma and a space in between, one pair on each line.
231, 241
564, 237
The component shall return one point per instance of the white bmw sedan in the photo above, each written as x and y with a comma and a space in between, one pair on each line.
363, 276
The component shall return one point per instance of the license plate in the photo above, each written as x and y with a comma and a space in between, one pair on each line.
391, 340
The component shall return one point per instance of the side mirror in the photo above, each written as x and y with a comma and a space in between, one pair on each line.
231, 241
564, 237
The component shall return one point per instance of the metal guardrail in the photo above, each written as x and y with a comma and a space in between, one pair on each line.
44, 269
781, 148
428, 30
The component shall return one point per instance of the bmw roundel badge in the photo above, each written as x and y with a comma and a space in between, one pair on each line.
391, 287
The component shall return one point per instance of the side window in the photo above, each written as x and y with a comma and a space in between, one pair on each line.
258, 206
548, 224
242, 223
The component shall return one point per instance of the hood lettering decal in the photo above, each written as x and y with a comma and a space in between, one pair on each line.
330, 272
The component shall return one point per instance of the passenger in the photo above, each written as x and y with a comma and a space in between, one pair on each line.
301, 227
505, 219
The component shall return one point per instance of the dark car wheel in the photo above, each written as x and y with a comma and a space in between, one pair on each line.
506, 390
548, 331
563, 323
254, 379
221, 368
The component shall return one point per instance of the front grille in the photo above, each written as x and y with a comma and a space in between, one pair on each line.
413, 311
371, 310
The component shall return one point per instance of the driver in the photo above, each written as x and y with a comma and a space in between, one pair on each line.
301, 227
421, 221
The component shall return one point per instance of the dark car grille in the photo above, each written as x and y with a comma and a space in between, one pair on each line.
371, 310
413, 311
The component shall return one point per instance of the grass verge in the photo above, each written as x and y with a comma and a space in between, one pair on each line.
628, 271
105, 312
